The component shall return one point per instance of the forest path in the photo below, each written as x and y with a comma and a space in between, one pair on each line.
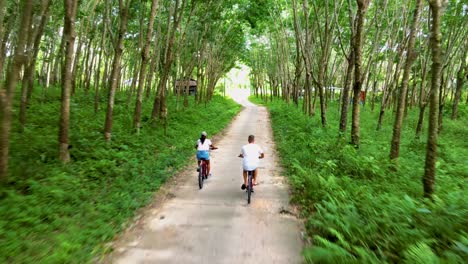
215, 224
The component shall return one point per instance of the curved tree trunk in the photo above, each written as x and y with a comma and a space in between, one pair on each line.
114, 79
395, 143
28, 78
2, 32
355, 125
3, 46
69, 43
143, 70
431, 157
349, 74
160, 99
423, 97
461, 75
6, 96
98, 82
345, 96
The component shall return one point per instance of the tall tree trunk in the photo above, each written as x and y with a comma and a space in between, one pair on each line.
345, 95
43, 69
28, 78
323, 116
314, 100
154, 65
389, 90
2, 32
84, 83
152, 69
69, 43
76, 63
395, 143
431, 157
6, 96
156, 111
461, 76
442, 95
178, 14
97, 81
114, 79
135, 67
49, 61
58, 57
134, 81
143, 70
78, 68
90, 70
423, 97
298, 66
102, 49
349, 73
355, 127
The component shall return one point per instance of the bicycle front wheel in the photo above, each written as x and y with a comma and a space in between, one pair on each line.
249, 188
200, 179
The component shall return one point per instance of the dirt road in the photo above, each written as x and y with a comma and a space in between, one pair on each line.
215, 224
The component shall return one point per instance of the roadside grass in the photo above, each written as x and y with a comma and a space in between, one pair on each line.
55, 213
357, 207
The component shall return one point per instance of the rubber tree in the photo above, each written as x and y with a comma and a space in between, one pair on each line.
69, 44
116, 62
159, 106
395, 143
144, 61
461, 78
12, 77
435, 42
357, 47
28, 78
349, 70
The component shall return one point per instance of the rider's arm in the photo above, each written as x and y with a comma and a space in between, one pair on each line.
241, 155
260, 151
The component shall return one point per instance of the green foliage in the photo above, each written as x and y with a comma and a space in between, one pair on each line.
358, 208
256, 13
420, 253
54, 213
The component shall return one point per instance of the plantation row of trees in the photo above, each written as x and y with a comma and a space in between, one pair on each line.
394, 55
140, 47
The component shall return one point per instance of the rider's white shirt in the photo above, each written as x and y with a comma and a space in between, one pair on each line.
205, 146
251, 153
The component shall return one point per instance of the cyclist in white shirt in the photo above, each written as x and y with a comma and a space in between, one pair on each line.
251, 154
203, 147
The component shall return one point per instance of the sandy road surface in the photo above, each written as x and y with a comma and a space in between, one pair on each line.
215, 224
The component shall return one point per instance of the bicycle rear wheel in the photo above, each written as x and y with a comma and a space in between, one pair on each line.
200, 178
205, 171
249, 187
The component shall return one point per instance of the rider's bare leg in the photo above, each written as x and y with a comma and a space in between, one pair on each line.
244, 173
255, 173
208, 167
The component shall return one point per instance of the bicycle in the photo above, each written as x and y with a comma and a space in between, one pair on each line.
249, 187
202, 172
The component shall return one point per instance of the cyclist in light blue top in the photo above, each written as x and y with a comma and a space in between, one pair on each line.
203, 147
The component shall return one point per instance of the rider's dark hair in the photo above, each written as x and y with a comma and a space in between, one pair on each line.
251, 138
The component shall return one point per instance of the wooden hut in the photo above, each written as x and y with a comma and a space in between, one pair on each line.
182, 85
